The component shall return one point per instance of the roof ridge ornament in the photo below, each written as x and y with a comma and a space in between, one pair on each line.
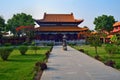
45, 13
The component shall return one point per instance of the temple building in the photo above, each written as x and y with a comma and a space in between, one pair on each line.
54, 26
116, 28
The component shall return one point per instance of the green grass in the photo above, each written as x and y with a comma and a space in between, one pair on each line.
20, 67
89, 50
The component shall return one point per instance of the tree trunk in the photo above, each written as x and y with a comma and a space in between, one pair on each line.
96, 50
35, 51
103, 40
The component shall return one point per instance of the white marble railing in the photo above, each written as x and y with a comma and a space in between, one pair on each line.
82, 41
77, 41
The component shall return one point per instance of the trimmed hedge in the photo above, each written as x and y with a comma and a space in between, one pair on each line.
35, 48
25, 43
7, 44
5, 52
40, 66
23, 49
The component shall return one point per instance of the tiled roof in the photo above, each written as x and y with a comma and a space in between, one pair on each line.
61, 29
116, 24
59, 18
116, 31
109, 36
24, 27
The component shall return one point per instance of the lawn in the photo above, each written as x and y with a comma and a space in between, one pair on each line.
21, 67
89, 50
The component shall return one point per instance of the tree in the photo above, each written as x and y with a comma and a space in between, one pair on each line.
114, 39
27, 31
94, 41
103, 34
111, 49
2, 24
115, 42
104, 22
17, 20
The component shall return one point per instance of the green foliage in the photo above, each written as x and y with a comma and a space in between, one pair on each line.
111, 49
104, 22
81, 50
114, 39
2, 24
35, 48
7, 44
40, 66
50, 44
94, 40
118, 42
72, 44
17, 20
23, 49
5, 52
21, 67
25, 43
33, 43
102, 53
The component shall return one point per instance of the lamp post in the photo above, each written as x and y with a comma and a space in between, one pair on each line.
64, 43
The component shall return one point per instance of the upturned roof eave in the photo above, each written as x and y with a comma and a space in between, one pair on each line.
116, 24
60, 29
42, 22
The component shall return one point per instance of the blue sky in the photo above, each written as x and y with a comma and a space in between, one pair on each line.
82, 9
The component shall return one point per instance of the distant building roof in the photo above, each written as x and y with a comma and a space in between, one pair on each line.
109, 36
60, 29
24, 27
116, 24
59, 18
116, 28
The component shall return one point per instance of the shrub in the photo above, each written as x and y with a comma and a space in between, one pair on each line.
118, 49
25, 43
118, 42
43, 66
38, 69
81, 50
7, 44
5, 52
40, 66
51, 48
98, 57
110, 63
35, 48
111, 48
47, 54
33, 43
23, 49
72, 44
50, 44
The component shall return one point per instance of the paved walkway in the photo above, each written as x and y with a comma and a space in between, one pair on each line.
74, 65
